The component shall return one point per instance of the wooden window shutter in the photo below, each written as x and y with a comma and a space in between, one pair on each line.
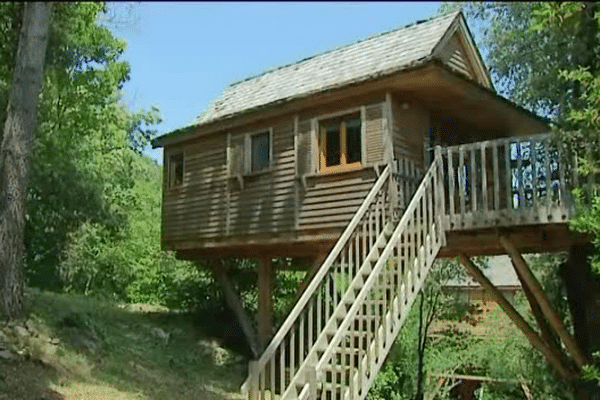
374, 133
305, 148
236, 156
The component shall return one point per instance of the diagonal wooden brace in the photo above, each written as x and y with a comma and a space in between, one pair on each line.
234, 302
554, 358
537, 291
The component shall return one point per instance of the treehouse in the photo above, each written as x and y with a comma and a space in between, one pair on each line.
369, 161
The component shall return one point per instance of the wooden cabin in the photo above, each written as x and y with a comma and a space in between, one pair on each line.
280, 163
370, 160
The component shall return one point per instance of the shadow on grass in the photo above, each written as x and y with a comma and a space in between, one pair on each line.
139, 352
27, 380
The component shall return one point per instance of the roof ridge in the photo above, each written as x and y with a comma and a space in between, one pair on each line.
418, 22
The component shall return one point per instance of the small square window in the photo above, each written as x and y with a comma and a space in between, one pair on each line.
261, 152
175, 170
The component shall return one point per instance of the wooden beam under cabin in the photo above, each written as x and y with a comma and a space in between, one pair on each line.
555, 359
537, 291
265, 301
234, 302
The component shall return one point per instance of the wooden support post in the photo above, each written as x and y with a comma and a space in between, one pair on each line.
254, 372
533, 284
555, 359
234, 302
310, 274
265, 293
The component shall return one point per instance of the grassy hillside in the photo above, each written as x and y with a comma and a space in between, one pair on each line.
72, 347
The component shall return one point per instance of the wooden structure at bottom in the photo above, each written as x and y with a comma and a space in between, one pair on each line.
467, 384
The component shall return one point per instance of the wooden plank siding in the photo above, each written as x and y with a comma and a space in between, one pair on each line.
454, 55
330, 201
217, 202
197, 207
410, 127
266, 202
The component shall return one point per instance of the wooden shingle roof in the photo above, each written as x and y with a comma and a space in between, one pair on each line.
374, 56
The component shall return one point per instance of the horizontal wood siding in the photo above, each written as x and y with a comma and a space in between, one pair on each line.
330, 201
219, 203
453, 55
411, 126
197, 208
266, 202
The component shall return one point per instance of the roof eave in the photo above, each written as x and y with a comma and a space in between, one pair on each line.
160, 140
494, 94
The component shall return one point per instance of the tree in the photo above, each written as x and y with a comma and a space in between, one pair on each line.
15, 151
558, 77
433, 303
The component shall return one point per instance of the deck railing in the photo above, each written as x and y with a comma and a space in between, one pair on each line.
509, 181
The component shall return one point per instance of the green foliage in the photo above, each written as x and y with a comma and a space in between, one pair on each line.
93, 210
583, 114
397, 379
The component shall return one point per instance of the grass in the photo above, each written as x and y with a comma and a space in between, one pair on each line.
116, 352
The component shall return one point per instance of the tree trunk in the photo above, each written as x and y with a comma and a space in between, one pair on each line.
583, 293
15, 152
420, 349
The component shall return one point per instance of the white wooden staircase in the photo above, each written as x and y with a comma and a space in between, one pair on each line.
336, 338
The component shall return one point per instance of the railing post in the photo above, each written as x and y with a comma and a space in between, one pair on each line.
311, 378
393, 190
441, 194
253, 371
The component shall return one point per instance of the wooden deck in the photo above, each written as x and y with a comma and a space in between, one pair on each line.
520, 187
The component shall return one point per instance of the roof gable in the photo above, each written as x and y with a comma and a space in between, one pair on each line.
374, 56
458, 51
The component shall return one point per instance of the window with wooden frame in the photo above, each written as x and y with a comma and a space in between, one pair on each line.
340, 143
175, 170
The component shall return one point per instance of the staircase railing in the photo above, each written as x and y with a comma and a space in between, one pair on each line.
274, 370
363, 338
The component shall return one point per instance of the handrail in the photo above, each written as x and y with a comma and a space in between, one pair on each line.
319, 276
428, 226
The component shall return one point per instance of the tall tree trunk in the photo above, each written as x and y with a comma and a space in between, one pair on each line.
15, 152
583, 294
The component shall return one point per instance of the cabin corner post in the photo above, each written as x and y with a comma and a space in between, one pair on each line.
388, 132
265, 301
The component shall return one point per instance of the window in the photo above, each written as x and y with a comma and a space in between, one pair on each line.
260, 151
340, 144
175, 170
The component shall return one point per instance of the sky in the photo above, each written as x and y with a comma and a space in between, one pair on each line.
183, 54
